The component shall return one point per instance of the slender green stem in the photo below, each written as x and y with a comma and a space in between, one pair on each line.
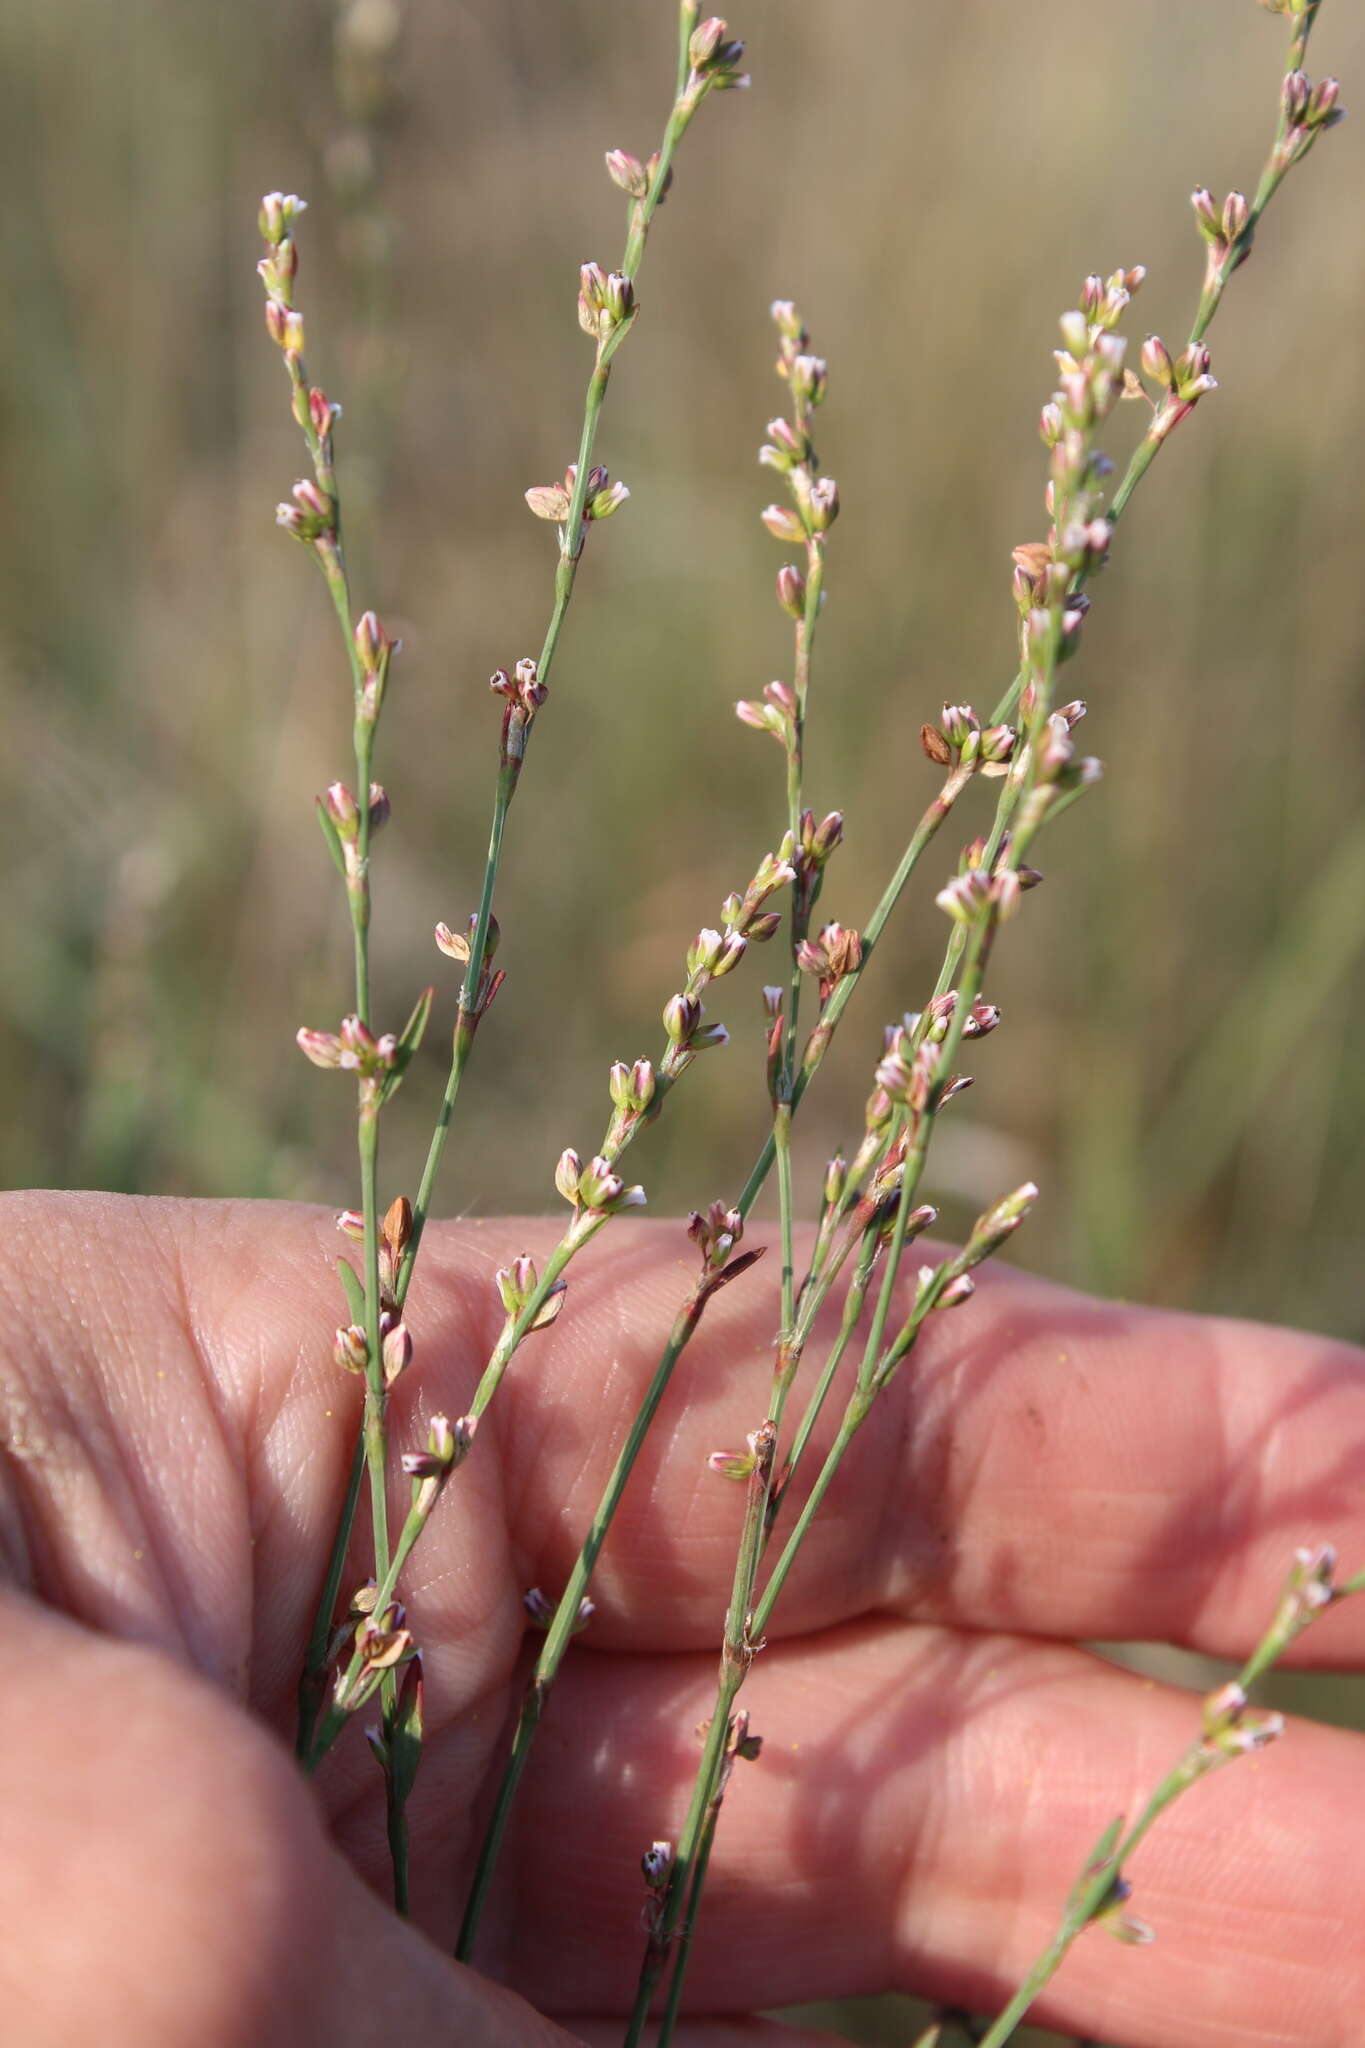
425, 1494
819, 1041
571, 548
737, 1652
562, 1626
465, 1027
642, 216
1096, 1888
375, 1433
852, 1316
682, 1943
854, 1416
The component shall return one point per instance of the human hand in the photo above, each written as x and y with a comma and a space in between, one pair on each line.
939, 1753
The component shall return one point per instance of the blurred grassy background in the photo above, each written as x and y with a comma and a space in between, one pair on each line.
1181, 1067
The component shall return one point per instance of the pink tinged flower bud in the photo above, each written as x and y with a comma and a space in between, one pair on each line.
965, 897
603, 503
998, 1223
371, 642
1311, 1580
1206, 213
1075, 333
1224, 1706
682, 1015
396, 1352
824, 503
657, 1860
705, 41
957, 1291
516, 1283
959, 722
351, 1223
342, 809
1050, 425
323, 1048
322, 413
1246, 1737
836, 1179
279, 211
628, 172
765, 926
350, 1349
788, 321
809, 378
734, 946
731, 1464
568, 1174
704, 951
791, 591
1323, 110
1156, 361
782, 524
1294, 97
1236, 214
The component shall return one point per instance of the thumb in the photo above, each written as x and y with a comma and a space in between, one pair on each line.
167, 1876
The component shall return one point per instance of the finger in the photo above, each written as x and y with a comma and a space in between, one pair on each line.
1043, 1462
1162, 1466
166, 1876
921, 1807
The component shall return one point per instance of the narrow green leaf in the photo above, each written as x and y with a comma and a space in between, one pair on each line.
329, 833
355, 1290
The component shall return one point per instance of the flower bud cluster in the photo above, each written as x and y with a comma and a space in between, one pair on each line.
606, 301
312, 516
908, 1075
790, 451
1229, 1731
777, 713
961, 742
715, 1232
448, 1445
278, 268
597, 1187
517, 1285
1306, 110
353, 1049
745, 914
601, 497
1091, 380
835, 954
714, 58
459, 946
523, 693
